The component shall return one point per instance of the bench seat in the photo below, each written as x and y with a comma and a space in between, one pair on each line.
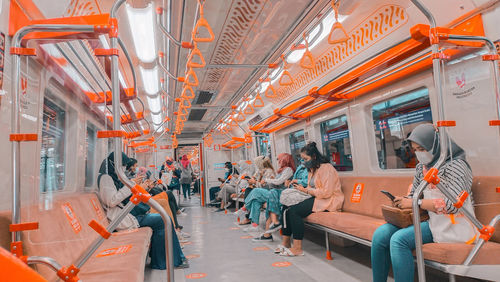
456, 253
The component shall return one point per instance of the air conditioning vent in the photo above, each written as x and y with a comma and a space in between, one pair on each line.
256, 119
203, 97
196, 114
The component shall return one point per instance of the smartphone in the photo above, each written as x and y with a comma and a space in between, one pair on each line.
389, 195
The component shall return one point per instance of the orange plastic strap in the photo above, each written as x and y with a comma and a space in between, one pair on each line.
258, 102
23, 137
486, 232
102, 28
307, 56
110, 133
191, 74
101, 230
22, 51
113, 32
494, 122
68, 274
446, 123
286, 73
185, 95
181, 79
106, 52
16, 248
497, 189
271, 92
432, 176
191, 63
202, 22
139, 195
491, 57
23, 226
336, 26
187, 45
461, 199
440, 56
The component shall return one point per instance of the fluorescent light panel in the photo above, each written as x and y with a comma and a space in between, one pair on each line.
142, 28
154, 104
150, 80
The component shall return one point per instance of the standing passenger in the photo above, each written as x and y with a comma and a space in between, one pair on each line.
186, 177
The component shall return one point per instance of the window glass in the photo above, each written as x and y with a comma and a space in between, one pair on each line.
336, 143
263, 146
90, 144
53, 146
297, 141
393, 121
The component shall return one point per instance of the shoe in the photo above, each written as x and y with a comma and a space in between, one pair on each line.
182, 214
228, 204
184, 265
273, 228
263, 238
182, 210
180, 227
185, 234
240, 213
219, 210
251, 228
181, 239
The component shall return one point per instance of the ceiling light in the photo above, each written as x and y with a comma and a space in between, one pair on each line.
142, 28
150, 80
156, 119
154, 104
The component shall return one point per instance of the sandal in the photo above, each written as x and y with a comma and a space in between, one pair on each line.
288, 253
245, 223
279, 249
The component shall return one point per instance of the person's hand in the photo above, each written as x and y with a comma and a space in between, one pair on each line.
403, 203
300, 187
294, 181
138, 179
252, 181
287, 183
262, 182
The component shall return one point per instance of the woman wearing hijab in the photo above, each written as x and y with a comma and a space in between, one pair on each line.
391, 244
186, 177
114, 196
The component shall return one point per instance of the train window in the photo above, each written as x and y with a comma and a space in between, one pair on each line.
297, 141
52, 166
393, 121
263, 147
90, 143
336, 143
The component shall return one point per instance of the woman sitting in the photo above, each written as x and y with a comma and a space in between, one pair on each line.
325, 195
114, 196
213, 191
273, 206
236, 184
392, 244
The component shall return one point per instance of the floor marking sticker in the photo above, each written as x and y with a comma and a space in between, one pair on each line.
196, 275
187, 243
234, 228
192, 256
281, 264
260, 248
246, 237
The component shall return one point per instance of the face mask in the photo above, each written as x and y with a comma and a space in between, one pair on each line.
226, 169
169, 162
302, 161
308, 164
424, 157
136, 170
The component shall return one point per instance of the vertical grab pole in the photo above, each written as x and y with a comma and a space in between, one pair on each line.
436, 70
115, 90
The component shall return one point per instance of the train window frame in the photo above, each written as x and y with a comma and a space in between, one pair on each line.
324, 150
374, 135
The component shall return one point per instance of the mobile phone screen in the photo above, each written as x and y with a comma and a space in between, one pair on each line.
389, 195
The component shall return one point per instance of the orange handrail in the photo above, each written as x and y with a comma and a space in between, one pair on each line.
285, 73
258, 102
337, 25
187, 88
307, 55
271, 89
202, 22
191, 74
195, 52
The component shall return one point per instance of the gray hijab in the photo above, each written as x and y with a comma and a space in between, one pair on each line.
426, 136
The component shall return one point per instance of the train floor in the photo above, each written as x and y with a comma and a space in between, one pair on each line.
220, 250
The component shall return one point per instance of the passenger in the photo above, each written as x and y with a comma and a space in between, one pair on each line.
258, 196
273, 206
392, 244
229, 170
114, 198
131, 168
186, 177
323, 186
172, 174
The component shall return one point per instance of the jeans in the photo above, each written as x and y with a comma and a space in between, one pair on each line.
273, 203
393, 244
157, 248
254, 202
213, 192
293, 218
186, 190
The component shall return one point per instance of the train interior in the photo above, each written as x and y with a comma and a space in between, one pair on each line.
195, 97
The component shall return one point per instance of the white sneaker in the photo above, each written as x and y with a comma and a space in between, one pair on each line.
182, 214
185, 234
251, 228
181, 239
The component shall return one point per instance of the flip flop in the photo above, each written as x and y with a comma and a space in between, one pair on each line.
288, 253
279, 249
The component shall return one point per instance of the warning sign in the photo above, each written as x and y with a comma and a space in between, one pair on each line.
71, 216
114, 251
97, 209
357, 192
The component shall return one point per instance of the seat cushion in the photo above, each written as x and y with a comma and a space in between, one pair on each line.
456, 253
120, 258
361, 226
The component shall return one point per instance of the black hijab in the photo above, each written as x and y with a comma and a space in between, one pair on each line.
108, 167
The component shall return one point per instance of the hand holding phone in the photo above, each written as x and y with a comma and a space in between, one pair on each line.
389, 195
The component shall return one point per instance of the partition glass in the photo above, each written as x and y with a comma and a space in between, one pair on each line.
336, 143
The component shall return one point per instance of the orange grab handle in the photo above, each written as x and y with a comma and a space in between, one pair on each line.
271, 92
305, 58
286, 74
336, 26
139, 194
202, 22
248, 110
196, 52
191, 74
432, 176
239, 117
258, 102
461, 199
185, 95
23, 226
186, 103
101, 230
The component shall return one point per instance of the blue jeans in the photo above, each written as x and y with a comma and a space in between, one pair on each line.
393, 244
186, 190
273, 203
254, 202
157, 249
213, 192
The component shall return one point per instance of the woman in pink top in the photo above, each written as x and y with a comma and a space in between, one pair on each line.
326, 195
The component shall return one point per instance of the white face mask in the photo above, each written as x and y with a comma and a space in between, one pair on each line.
226, 169
424, 157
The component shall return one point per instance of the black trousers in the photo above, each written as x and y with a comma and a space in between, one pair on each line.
173, 206
293, 218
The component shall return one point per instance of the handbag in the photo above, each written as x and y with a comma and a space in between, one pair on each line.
291, 196
401, 218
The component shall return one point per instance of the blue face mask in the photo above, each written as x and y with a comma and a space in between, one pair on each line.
308, 164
